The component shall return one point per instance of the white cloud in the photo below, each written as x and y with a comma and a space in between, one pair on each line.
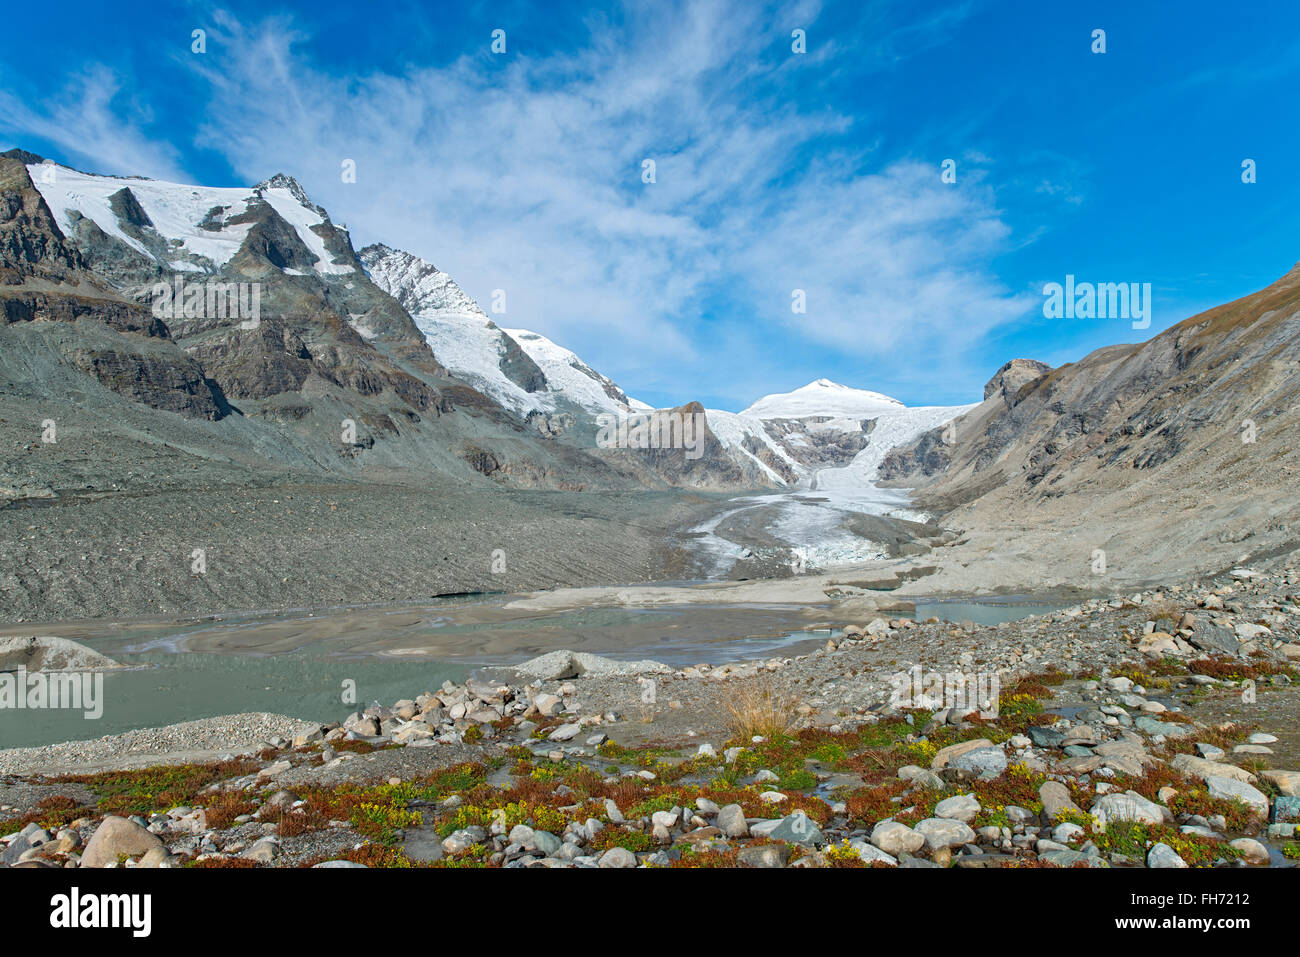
523, 173
90, 123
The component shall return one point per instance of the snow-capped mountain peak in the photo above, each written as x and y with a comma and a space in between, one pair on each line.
823, 398
420, 286
286, 182
523, 370
570, 376
183, 227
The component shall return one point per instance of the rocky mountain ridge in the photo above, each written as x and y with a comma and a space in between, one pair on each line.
330, 361
1173, 454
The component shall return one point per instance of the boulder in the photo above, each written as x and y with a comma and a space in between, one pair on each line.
1287, 782
731, 821
617, 857
117, 837
945, 755
941, 833
962, 807
1162, 855
1056, 800
1232, 789
1202, 769
986, 762
1252, 851
895, 838
1129, 806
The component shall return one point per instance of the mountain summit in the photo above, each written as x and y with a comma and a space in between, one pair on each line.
822, 397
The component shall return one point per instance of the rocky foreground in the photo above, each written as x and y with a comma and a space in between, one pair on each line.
1157, 729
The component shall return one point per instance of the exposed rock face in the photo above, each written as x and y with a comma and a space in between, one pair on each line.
121, 345
30, 242
1147, 435
928, 455
329, 365
22, 306
683, 467
518, 366
164, 380
1012, 377
816, 442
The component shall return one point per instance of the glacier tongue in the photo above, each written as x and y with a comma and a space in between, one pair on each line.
811, 522
892, 429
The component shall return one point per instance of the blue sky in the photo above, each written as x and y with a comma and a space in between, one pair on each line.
775, 171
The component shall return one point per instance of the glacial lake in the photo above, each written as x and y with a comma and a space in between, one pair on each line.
166, 681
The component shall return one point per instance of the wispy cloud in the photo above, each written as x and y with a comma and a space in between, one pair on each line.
523, 173
91, 120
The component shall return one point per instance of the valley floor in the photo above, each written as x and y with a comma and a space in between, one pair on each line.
294, 546
1155, 729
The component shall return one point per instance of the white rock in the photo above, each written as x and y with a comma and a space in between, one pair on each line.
1129, 806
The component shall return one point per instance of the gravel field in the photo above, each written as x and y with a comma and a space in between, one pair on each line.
191, 739
319, 545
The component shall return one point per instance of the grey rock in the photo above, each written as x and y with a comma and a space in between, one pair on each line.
1056, 799
545, 843
731, 821
1252, 851
871, 854
1162, 855
1045, 737
1239, 790
961, 807
460, 841
1211, 637
798, 828
895, 838
565, 732
944, 833
1070, 859
765, 855
1129, 806
617, 857
422, 844
264, 851
986, 762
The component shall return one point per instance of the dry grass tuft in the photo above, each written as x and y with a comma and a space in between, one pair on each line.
758, 707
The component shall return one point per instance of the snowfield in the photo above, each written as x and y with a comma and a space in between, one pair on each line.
468, 343
823, 398
176, 210
572, 378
